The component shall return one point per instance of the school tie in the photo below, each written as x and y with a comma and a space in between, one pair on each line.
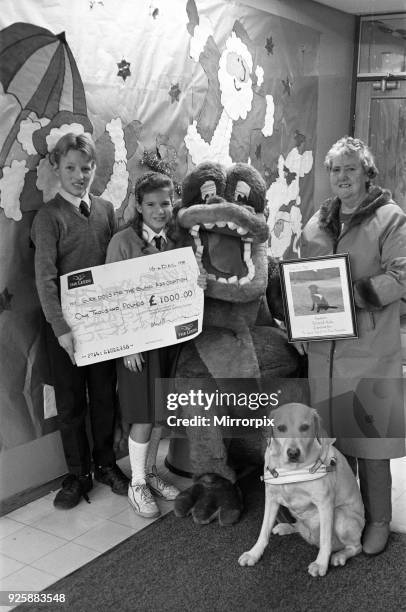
159, 243
84, 209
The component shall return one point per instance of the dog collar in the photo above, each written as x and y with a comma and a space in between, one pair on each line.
284, 476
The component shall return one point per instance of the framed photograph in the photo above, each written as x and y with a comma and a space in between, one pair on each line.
318, 298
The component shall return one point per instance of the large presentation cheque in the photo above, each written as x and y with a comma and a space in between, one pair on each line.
133, 306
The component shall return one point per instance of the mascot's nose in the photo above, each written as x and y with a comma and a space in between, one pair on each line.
293, 454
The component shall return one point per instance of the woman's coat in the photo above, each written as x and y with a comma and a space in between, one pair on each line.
356, 384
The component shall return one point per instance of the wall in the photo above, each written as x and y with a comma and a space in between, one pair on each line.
30, 463
336, 58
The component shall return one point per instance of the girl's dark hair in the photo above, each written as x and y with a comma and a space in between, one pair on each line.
148, 182
74, 142
152, 181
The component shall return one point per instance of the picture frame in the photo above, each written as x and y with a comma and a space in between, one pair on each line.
318, 298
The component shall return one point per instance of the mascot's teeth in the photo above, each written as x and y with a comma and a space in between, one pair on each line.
209, 225
242, 230
196, 228
222, 280
211, 277
251, 274
232, 226
221, 224
233, 280
244, 281
247, 248
247, 239
201, 267
199, 249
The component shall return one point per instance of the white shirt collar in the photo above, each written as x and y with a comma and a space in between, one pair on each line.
74, 199
148, 234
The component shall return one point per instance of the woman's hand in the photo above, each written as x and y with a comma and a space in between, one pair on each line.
67, 342
134, 362
202, 280
301, 347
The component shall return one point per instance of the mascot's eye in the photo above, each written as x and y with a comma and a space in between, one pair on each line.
281, 428
241, 198
304, 427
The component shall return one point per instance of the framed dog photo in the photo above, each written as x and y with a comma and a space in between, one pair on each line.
318, 298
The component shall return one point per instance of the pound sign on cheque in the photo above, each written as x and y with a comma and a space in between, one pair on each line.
152, 301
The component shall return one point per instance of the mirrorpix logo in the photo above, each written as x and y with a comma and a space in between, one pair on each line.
80, 279
186, 329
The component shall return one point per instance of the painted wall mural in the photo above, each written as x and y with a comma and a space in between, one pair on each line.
163, 86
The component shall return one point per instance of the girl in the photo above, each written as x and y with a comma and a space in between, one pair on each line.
148, 234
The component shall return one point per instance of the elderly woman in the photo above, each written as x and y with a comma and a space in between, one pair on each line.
356, 384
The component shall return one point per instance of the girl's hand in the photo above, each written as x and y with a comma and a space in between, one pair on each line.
134, 362
67, 342
202, 280
301, 347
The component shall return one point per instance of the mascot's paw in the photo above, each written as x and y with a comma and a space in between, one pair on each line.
210, 496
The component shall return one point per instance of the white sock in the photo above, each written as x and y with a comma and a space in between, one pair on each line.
153, 448
138, 454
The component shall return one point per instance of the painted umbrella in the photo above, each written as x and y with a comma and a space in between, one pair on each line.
37, 68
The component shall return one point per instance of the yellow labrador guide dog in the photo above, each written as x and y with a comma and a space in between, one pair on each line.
305, 473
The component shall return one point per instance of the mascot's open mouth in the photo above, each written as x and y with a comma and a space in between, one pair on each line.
225, 256
224, 236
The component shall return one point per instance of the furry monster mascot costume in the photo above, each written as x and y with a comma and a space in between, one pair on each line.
222, 218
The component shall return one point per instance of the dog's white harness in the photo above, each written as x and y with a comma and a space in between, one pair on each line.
284, 476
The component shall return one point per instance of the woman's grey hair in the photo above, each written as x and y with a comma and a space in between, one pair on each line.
348, 145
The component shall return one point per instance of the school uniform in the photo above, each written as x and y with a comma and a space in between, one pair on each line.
137, 392
65, 240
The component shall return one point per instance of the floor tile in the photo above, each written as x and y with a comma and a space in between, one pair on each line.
106, 535
104, 503
8, 566
130, 519
8, 526
33, 511
65, 559
29, 544
68, 524
27, 579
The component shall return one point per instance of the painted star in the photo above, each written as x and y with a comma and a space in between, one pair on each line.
269, 45
289, 176
123, 69
287, 86
174, 93
5, 300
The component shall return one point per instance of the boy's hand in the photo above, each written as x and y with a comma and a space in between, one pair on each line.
67, 342
202, 280
134, 362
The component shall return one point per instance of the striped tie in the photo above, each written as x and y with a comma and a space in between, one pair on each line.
84, 209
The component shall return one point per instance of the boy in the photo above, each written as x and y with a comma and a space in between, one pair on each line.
70, 232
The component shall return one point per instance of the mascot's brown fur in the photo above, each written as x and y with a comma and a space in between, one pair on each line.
238, 351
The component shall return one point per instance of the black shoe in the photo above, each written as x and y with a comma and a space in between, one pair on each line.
73, 489
112, 476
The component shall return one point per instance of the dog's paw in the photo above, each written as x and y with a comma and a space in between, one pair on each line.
248, 558
317, 569
283, 529
339, 558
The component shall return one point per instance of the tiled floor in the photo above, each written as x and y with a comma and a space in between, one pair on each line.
39, 544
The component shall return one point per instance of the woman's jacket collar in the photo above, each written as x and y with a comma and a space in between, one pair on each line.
329, 215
